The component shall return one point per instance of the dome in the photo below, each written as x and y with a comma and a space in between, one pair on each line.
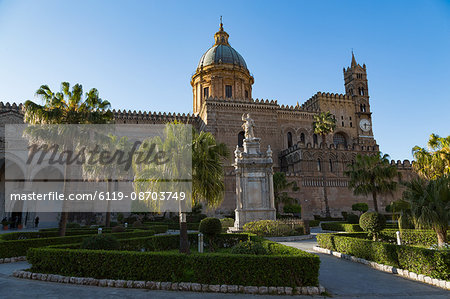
221, 52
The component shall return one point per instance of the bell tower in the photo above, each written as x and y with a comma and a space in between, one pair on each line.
356, 86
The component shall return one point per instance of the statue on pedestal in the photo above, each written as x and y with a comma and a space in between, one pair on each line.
248, 126
254, 180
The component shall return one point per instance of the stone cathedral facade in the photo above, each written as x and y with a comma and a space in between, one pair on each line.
222, 92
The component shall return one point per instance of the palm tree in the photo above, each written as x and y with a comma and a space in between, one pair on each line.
372, 175
324, 123
66, 107
105, 171
430, 204
401, 211
207, 169
208, 157
280, 185
433, 162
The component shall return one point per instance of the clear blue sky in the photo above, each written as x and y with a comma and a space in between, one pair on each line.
141, 54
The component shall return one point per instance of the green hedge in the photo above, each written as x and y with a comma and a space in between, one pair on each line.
412, 236
169, 242
19, 247
341, 226
72, 232
313, 223
434, 263
273, 228
287, 267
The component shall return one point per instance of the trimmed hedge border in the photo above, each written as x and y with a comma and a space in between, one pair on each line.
53, 233
389, 269
285, 266
341, 226
15, 248
165, 242
411, 236
170, 286
433, 263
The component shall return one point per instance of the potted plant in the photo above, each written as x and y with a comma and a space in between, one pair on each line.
20, 225
5, 224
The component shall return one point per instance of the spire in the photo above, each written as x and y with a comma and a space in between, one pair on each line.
221, 37
353, 60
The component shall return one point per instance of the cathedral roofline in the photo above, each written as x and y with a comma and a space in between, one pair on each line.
120, 114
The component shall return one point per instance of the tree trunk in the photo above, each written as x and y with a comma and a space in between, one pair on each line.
184, 242
442, 237
108, 207
325, 195
324, 178
64, 213
375, 203
62, 223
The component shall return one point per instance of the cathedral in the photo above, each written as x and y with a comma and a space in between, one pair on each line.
222, 92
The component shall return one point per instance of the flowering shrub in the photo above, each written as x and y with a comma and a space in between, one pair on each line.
273, 228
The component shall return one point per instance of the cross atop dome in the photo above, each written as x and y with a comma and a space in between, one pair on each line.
221, 37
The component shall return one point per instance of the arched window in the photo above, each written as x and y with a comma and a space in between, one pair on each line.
302, 138
364, 107
241, 137
339, 138
319, 166
331, 165
315, 139
289, 139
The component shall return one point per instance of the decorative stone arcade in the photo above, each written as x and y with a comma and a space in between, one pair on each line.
254, 180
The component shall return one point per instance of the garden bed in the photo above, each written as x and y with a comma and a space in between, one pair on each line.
15, 248
283, 266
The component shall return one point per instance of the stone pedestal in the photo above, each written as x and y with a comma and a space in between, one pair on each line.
254, 184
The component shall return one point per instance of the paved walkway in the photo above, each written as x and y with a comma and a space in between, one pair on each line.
341, 278
345, 279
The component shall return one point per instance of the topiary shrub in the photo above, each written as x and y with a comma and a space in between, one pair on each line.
361, 207
249, 247
118, 229
100, 242
372, 223
210, 227
352, 218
